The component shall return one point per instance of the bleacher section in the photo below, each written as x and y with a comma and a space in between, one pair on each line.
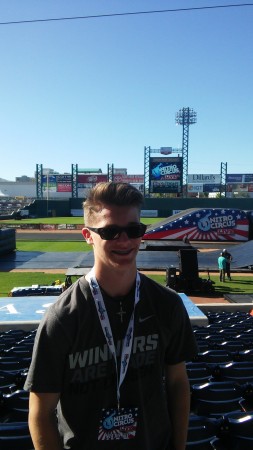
10, 205
221, 380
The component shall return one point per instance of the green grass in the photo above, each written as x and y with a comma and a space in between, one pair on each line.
238, 285
49, 220
52, 246
9, 280
67, 220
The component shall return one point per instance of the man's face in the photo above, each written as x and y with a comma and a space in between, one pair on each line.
120, 252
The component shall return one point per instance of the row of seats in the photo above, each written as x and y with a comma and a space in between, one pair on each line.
221, 380
15, 356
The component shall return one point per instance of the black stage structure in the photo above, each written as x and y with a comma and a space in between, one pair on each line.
146, 259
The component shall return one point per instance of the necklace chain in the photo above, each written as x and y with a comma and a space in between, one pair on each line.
121, 312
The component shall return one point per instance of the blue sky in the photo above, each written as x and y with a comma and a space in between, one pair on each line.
95, 92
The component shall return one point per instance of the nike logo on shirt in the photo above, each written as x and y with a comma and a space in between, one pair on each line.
143, 319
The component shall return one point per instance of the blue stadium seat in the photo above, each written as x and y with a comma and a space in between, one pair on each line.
16, 442
236, 431
214, 357
220, 391
198, 373
216, 408
14, 406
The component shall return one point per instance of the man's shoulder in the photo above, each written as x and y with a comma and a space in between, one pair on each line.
72, 298
152, 287
166, 302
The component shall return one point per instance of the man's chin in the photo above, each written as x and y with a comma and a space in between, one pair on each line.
123, 259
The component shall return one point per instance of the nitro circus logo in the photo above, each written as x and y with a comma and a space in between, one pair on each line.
161, 170
117, 425
118, 421
207, 223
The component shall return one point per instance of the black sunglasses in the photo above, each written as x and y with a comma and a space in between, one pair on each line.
114, 231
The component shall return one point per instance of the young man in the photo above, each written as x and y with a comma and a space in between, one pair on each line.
110, 352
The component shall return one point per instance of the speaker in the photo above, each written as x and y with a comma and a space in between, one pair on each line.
171, 277
188, 263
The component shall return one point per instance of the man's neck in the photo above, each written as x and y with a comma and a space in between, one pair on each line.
116, 283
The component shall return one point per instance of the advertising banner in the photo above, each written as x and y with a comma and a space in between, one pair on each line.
149, 213
204, 178
211, 188
240, 178
64, 183
248, 178
165, 174
49, 183
91, 178
237, 187
234, 178
64, 187
195, 188
121, 178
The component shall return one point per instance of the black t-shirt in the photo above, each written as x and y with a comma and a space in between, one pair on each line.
71, 357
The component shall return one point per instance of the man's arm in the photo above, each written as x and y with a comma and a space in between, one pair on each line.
178, 391
42, 421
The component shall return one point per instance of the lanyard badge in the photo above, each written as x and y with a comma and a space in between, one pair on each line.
117, 423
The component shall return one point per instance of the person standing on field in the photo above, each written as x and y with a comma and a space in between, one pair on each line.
228, 258
222, 266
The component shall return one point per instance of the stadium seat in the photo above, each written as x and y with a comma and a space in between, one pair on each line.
201, 444
16, 442
246, 355
216, 408
232, 346
240, 372
14, 406
201, 432
198, 373
214, 357
216, 391
14, 363
236, 431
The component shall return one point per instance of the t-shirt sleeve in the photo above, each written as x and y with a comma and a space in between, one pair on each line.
49, 356
175, 331
181, 344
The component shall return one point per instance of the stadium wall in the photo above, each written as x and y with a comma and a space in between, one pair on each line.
164, 206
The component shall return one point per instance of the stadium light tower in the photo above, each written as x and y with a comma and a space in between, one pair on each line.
185, 117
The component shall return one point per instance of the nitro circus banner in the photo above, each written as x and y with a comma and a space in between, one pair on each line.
204, 225
165, 174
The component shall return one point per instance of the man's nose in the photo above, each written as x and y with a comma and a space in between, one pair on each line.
123, 236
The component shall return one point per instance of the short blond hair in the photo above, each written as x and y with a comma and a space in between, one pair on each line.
110, 193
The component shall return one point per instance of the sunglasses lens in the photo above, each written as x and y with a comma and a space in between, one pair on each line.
109, 233
136, 231
113, 232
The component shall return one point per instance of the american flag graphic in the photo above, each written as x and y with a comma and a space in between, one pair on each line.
214, 224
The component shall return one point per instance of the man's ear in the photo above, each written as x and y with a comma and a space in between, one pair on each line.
87, 236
